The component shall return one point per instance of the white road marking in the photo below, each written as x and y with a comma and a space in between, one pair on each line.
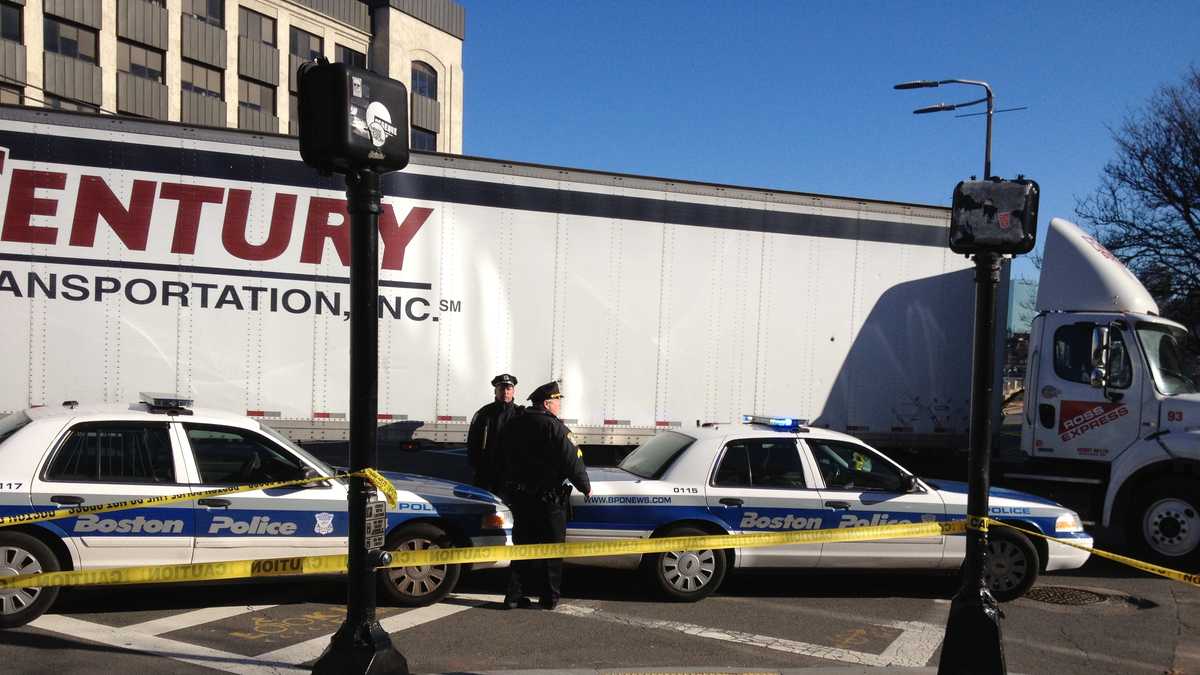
194, 618
159, 646
308, 650
914, 647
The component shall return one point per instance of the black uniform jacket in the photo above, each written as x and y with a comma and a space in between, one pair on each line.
539, 454
483, 437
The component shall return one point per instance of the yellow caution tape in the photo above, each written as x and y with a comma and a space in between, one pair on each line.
382, 484
55, 514
1191, 579
977, 523
334, 564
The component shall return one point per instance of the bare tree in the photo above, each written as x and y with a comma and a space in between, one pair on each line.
1147, 208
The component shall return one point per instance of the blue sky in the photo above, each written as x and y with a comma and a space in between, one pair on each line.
798, 95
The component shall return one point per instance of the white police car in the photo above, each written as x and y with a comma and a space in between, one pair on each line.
69, 455
773, 474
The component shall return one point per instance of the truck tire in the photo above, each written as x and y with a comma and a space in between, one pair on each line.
23, 554
1165, 523
1012, 564
424, 584
685, 576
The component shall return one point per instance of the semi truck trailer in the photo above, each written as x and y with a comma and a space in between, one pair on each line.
139, 255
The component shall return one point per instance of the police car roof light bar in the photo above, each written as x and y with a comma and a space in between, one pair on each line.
172, 404
789, 423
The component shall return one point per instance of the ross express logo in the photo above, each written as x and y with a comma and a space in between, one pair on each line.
1077, 418
751, 519
256, 525
140, 525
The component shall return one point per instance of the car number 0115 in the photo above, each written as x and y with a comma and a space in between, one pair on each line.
10, 486
687, 490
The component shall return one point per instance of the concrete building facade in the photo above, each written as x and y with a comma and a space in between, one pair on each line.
229, 63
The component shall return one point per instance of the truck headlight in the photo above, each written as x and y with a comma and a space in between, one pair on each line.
500, 520
1068, 522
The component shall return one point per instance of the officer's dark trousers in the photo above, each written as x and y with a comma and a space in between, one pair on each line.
537, 522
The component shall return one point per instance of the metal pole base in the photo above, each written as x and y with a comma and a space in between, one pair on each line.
972, 644
365, 648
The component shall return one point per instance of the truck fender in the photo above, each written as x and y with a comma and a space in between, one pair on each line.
1146, 457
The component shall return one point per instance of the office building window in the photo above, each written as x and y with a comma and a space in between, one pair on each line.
11, 95
256, 27
202, 80
10, 22
65, 104
424, 80
349, 57
70, 40
306, 45
423, 139
140, 61
256, 96
208, 11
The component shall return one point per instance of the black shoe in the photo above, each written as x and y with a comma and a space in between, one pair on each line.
513, 603
548, 603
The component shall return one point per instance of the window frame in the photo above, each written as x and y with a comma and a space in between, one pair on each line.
259, 437
20, 23
427, 71
260, 20
49, 22
218, 21
68, 433
339, 51
1088, 327
418, 132
269, 93
129, 47
189, 85
875, 454
725, 448
293, 33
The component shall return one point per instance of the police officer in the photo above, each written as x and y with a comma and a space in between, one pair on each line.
539, 455
483, 437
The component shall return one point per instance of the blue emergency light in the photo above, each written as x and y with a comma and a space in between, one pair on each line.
780, 423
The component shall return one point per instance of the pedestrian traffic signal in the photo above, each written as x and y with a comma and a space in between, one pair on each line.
994, 216
352, 119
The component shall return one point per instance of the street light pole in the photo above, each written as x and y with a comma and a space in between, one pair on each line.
973, 642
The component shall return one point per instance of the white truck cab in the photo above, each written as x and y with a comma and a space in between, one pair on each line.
1112, 402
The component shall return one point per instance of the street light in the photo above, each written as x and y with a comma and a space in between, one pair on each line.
972, 642
942, 107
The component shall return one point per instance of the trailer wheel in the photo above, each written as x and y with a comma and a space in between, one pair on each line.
22, 554
1012, 564
685, 576
423, 584
1165, 524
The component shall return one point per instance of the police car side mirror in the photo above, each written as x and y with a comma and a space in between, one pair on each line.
908, 483
318, 479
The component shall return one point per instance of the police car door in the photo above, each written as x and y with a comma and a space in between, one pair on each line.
760, 485
276, 522
862, 487
100, 462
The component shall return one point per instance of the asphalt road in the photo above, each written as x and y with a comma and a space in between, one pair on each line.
1131, 623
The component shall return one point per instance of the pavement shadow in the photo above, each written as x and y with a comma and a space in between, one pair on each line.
114, 599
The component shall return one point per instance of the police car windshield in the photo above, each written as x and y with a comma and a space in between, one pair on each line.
652, 458
11, 424
322, 466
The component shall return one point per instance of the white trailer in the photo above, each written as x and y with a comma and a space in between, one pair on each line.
138, 255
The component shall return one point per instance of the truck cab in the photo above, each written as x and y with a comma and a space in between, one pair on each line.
1111, 421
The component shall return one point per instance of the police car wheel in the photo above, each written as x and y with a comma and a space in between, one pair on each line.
424, 584
22, 554
1012, 564
686, 576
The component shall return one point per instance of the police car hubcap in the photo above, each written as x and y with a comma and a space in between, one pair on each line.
688, 571
15, 562
1007, 566
421, 580
1172, 527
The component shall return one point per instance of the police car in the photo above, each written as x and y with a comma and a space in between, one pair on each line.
774, 474
63, 456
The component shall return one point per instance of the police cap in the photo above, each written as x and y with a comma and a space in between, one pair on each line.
546, 391
504, 379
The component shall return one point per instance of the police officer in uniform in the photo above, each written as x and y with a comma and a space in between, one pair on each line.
483, 437
539, 457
